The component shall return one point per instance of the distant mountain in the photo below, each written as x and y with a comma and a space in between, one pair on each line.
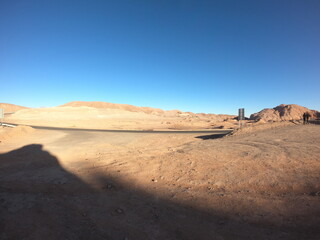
11, 107
125, 107
283, 112
147, 110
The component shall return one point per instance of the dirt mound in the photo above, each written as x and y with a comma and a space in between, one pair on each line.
283, 112
259, 127
17, 132
11, 107
125, 107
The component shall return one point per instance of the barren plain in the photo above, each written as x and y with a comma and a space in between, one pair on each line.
262, 182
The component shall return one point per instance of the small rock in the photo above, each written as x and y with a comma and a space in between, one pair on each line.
119, 210
154, 180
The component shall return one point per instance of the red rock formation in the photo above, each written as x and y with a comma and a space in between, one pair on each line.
283, 112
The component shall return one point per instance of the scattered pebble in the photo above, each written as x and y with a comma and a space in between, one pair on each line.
119, 210
154, 180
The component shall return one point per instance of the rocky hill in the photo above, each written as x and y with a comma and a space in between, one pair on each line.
283, 112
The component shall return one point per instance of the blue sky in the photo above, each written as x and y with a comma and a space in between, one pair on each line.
200, 56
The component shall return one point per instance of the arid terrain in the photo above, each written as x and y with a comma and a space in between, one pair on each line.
101, 115
261, 182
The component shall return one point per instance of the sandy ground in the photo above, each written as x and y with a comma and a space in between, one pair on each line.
103, 118
257, 184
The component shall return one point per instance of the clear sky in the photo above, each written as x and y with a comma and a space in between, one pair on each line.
201, 56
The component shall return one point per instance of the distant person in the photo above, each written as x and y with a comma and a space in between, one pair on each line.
306, 117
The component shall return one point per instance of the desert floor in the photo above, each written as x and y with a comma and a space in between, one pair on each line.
262, 184
97, 118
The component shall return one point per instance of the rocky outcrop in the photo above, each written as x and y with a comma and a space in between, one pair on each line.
283, 112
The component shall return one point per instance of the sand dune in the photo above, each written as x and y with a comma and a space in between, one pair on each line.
8, 108
125, 107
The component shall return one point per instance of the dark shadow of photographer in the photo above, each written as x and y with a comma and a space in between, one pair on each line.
39, 199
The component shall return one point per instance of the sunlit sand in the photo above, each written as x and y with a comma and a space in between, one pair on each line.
262, 180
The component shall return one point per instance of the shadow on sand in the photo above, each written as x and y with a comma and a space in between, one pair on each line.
39, 199
212, 136
315, 121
